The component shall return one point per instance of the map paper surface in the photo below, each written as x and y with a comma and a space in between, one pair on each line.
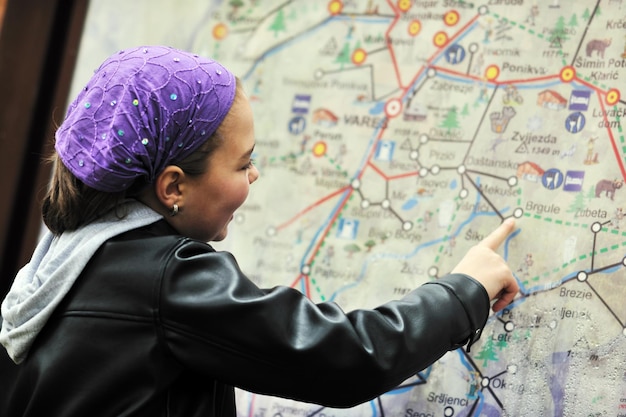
394, 135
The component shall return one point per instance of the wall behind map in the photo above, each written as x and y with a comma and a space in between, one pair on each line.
392, 136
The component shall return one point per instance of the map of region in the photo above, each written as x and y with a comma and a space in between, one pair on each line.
394, 135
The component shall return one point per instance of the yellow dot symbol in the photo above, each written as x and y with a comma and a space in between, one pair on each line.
567, 74
492, 72
440, 39
404, 5
612, 96
220, 31
358, 56
319, 149
414, 27
451, 18
335, 7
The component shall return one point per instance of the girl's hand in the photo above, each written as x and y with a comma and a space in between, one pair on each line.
482, 263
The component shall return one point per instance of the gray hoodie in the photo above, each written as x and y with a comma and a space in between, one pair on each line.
56, 263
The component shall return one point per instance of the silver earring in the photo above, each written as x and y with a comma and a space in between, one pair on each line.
174, 211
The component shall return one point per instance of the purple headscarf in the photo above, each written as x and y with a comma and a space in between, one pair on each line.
142, 110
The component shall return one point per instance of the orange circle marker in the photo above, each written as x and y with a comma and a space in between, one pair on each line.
358, 56
335, 7
451, 18
567, 74
393, 107
404, 5
319, 148
220, 31
492, 72
440, 39
414, 27
612, 96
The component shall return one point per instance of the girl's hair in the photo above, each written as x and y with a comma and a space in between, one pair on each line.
70, 204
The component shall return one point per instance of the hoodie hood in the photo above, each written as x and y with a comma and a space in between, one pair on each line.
54, 267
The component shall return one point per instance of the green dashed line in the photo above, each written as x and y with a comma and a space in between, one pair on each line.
581, 257
316, 287
589, 80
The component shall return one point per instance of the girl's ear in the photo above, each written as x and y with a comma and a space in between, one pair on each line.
167, 186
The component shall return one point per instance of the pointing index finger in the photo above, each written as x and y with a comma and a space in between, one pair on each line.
495, 238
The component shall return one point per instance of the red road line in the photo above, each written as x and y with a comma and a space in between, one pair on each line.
311, 207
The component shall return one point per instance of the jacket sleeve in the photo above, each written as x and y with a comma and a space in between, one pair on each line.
278, 342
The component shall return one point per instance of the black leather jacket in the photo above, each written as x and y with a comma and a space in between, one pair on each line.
161, 325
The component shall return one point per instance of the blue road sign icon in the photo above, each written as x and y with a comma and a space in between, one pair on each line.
455, 54
575, 122
552, 179
384, 150
347, 228
297, 125
579, 100
301, 103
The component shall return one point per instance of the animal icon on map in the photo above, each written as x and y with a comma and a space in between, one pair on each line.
608, 187
598, 46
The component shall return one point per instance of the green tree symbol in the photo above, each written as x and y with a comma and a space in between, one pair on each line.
586, 15
452, 120
370, 244
278, 25
344, 55
235, 4
591, 194
502, 343
577, 204
465, 111
558, 34
352, 248
487, 353
573, 22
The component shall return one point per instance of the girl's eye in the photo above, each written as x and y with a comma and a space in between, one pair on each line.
249, 164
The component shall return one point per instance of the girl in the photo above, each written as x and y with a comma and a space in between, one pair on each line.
124, 310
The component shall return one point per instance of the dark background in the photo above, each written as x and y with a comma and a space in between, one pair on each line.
39, 41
